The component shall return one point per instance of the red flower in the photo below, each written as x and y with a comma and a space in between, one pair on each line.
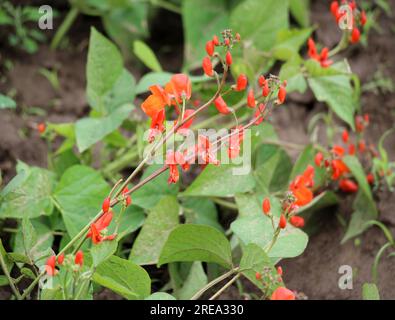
279, 271
204, 151
235, 140
318, 159
351, 149
297, 221
281, 94
334, 8
210, 48
179, 87
345, 136
60, 259
347, 185
355, 35
106, 204
339, 168
241, 82
97, 227
157, 125
156, 101
261, 81
359, 124
265, 89
363, 18
215, 40
300, 187
207, 67
228, 58
41, 128
221, 105
172, 160
282, 293
259, 114
258, 276
266, 206
370, 178
362, 146
79, 258
128, 199
50, 266
283, 222
251, 99
338, 151
322, 58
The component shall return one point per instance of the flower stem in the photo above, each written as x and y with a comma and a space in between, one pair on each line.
226, 286
10, 280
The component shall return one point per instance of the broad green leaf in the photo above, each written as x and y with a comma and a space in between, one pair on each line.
370, 292
337, 92
255, 260
300, 10
364, 204
160, 296
146, 55
91, 130
151, 193
212, 18
6, 102
201, 211
102, 251
272, 169
289, 42
123, 277
33, 240
28, 194
258, 21
196, 280
291, 71
196, 243
132, 219
3, 281
104, 67
152, 78
79, 196
161, 220
259, 230
219, 181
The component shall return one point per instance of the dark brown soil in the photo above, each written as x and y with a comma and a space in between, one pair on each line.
315, 273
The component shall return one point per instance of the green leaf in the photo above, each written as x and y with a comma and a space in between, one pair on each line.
162, 219
123, 277
102, 251
132, 219
300, 10
152, 192
28, 194
152, 78
3, 281
8, 261
219, 181
91, 130
259, 230
79, 196
289, 42
146, 55
337, 92
201, 211
370, 292
212, 19
6, 102
104, 67
265, 18
160, 296
34, 240
291, 71
364, 205
196, 280
273, 167
196, 243
255, 260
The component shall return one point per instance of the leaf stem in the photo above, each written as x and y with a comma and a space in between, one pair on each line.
226, 286
10, 280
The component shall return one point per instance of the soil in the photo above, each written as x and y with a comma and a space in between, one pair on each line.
315, 273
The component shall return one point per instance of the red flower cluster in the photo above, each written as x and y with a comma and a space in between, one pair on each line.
101, 224
53, 261
322, 57
282, 293
358, 18
179, 88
